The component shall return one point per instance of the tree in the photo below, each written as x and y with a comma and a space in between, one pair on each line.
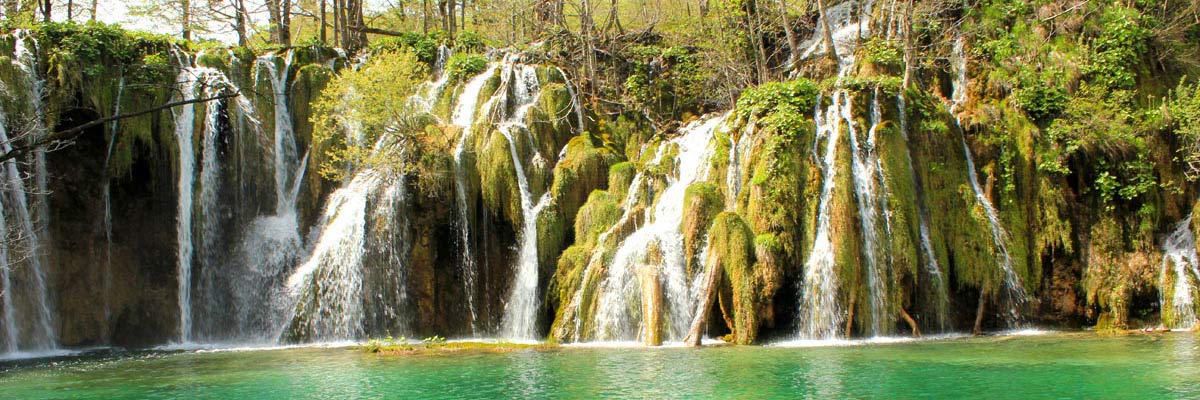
366, 118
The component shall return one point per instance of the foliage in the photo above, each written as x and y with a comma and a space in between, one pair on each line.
1183, 112
666, 81
424, 47
1120, 46
366, 119
464, 66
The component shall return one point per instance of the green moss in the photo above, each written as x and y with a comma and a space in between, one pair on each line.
620, 176
702, 201
731, 248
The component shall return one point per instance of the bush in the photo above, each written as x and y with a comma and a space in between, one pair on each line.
464, 66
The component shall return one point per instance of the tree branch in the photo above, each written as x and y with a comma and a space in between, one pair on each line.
74, 132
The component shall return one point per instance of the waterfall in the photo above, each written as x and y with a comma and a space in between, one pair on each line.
520, 311
1179, 259
429, 92
941, 290
464, 118
1014, 290
107, 200
820, 314
869, 191
32, 220
27, 324
332, 276
364, 221
655, 250
285, 142
184, 129
632, 194
738, 147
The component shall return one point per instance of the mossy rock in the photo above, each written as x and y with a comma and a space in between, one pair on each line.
701, 203
731, 248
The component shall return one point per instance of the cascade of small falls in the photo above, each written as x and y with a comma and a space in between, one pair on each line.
29, 320
595, 261
106, 290
652, 257
184, 127
464, 117
738, 148
941, 290
1013, 289
820, 314
1180, 265
338, 293
520, 311
870, 190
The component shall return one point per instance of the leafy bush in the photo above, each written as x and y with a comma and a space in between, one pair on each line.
464, 66
1122, 43
365, 118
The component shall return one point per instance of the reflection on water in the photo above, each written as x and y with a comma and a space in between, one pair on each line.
1053, 365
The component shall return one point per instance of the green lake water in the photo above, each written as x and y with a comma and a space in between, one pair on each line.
1015, 367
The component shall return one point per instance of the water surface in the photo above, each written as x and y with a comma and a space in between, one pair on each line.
1049, 366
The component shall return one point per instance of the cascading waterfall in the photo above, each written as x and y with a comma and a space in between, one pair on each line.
27, 318
333, 298
1014, 290
184, 129
868, 187
520, 311
655, 251
31, 218
627, 207
941, 290
1180, 263
464, 117
106, 290
820, 314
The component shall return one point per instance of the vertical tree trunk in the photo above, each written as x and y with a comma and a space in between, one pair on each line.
425, 16
712, 283
95, 6
978, 330
793, 42
273, 19
912, 324
826, 32
47, 9
338, 27
850, 316
240, 22
285, 16
910, 58
186, 20
322, 22
70, 10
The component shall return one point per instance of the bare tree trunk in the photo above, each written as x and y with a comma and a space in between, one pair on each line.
95, 5
425, 16
186, 14
240, 22
273, 19
712, 283
322, 22
826, 32
70, 10
793, 42
916, 331
910, 58
285, 16
47, 9
978, 330
850, 316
